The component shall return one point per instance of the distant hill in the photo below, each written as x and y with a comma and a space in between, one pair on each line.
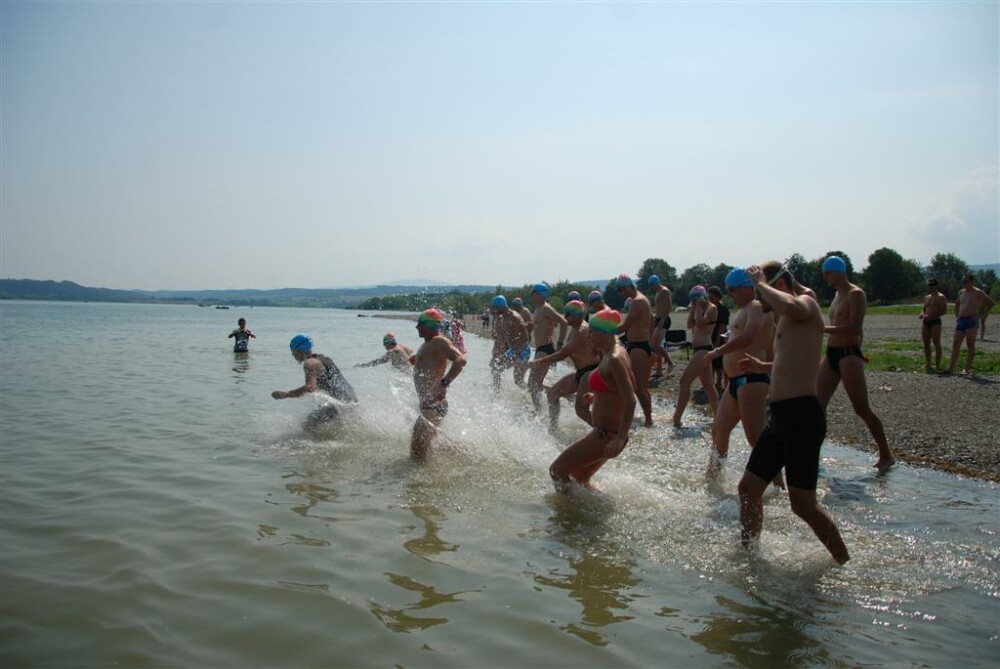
995, 267
330, 298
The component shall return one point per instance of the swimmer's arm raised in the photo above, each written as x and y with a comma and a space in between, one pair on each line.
796, 308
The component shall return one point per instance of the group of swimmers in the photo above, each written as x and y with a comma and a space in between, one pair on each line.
779, 380
972, 306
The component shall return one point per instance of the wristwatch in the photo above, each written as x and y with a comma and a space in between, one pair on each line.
445, 382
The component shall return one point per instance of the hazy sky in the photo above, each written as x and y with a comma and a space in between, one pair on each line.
248, 145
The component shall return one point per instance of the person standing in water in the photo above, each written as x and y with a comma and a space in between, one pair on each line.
636, 328
664, 304
796, 420
397, 354
612, 390
544, 321
520, 362
701, 319
844, 359
971, 304
510, 343
935, 306
242, 337
322, 375
432, 376
578, 349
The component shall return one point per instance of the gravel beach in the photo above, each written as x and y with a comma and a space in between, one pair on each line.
948, 422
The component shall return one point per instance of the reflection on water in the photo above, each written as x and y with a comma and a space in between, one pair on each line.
400, 620
430, 544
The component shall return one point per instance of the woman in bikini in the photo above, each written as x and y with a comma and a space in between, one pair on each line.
612, 386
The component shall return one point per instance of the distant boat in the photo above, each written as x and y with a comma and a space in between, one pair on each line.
219, 306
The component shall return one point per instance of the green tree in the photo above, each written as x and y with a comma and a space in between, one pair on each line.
888, 277
948, 269
659, 267
700, 274
718, 277
805, 271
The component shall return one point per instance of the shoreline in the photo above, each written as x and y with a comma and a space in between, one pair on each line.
945, 422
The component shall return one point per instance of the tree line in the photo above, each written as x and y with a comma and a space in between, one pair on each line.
888, 278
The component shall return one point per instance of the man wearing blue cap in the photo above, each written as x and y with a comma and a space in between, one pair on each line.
544, 320
745, 398
844, 359
510, 342
323, 375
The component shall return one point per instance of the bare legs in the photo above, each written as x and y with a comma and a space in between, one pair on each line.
969, 336
931, 335
640, 369
581, 460
700, 369
852, 373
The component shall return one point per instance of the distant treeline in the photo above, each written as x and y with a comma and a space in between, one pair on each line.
887, 279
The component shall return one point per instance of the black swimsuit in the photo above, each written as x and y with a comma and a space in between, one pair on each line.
641, 345
547, 349
834, 354
791, 439
931, 322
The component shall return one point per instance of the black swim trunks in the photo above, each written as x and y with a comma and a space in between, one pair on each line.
931, 322
795, 430
580, 373
641, 345
835, 354
440, 407
736, 381
547, 349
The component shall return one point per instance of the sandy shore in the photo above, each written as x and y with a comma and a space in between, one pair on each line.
949, 422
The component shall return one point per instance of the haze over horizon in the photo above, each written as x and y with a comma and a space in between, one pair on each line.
185, 146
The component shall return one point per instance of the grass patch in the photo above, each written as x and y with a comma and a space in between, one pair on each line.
899, 355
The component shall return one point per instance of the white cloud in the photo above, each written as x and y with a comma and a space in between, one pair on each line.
967, 221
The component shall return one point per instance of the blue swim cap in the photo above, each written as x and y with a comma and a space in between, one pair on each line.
738, 278
541, 289
499, 302
653, 280
301, 342
835, 264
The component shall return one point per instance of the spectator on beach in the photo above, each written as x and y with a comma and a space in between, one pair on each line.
844, 359
612, 392
397, 354
663, 303
702, 315
971, 304
510, 341
636, 329
718, 334
544, 320
578, 349
745, 399
322, 375
432, 377
242, 337
935, 306
796, 421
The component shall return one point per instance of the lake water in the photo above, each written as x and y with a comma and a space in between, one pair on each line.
159, 508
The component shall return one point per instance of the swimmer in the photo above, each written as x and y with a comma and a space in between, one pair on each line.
521, 364
636, 328
322, 375
544, 321
432, 376
844, 359
745, 399
664, 304
970, 304
585, 359
718, 334
935, 306
510, 341
595, 303
796, 421
702, 315
397, 354
612, 391
242, 337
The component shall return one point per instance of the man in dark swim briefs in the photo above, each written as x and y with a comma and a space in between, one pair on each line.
796, 422
432, 376
970, 303
636, 328
544, 321
663, 303
844, 359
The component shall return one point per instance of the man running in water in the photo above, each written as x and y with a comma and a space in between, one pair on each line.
521, 363
323, 375
510, 341
844, 359
397, 354
701, 319
636, 328
796, 421
935, 306
432, 376
578, 349
544, 321
242, 337
970, 304
664, 304
745, 399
